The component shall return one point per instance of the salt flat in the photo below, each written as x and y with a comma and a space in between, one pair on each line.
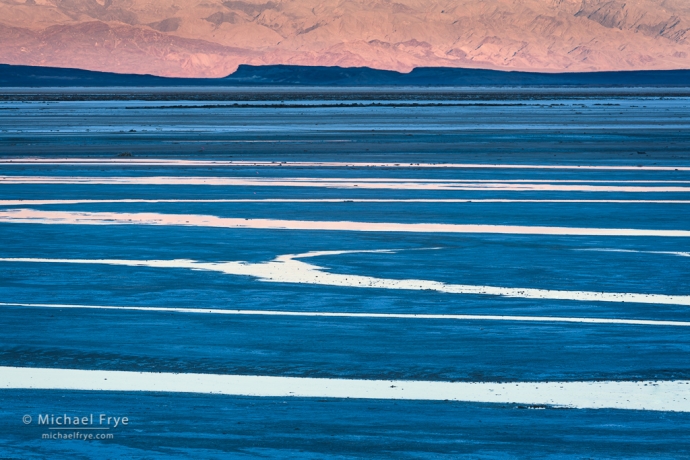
113, 265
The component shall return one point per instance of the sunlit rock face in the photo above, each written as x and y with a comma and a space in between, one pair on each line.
210, 38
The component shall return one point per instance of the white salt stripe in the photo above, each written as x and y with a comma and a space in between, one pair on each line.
342, 179
670, 253
664, 395
33, 216
288, 269
339, 184
315, 164
214, 311
328, 200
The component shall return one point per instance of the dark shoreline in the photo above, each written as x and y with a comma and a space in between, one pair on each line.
309, 94
362, 77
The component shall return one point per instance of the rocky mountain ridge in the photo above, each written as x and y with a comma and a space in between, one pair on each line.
210, 38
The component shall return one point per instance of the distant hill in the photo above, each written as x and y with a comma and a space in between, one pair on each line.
445, 76
286, 75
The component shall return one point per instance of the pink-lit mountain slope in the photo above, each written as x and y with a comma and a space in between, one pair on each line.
210, 38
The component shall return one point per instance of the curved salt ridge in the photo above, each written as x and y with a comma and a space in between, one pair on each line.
382, 184
288, 269
153, 162
326, 200
33, 216
671, 396
216, 311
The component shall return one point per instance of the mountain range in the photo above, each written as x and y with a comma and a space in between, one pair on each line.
211, 38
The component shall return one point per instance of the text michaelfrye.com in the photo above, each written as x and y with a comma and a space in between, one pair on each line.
77, 427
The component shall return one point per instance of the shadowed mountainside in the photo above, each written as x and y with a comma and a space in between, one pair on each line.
279, 75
